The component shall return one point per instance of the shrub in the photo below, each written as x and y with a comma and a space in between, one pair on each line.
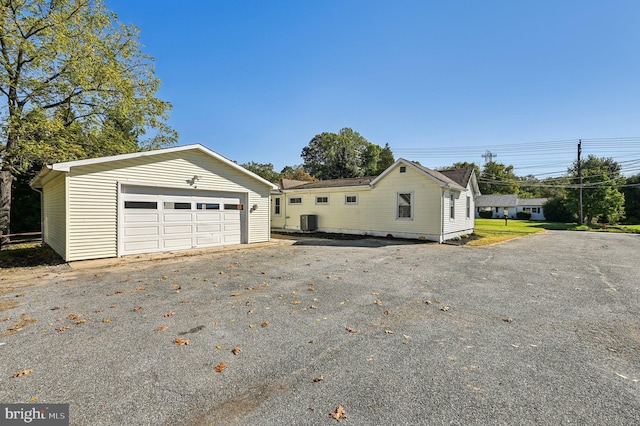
485, 214
523, 215
558, 210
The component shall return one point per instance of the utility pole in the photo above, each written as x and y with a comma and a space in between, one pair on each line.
580, 215
488, 156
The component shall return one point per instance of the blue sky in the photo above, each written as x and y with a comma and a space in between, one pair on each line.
440, 81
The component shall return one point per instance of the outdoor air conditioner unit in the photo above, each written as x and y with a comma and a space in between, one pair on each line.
308, 222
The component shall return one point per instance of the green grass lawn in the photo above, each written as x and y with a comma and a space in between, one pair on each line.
490, 231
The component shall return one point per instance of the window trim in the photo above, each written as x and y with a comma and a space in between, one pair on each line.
322, 203
290, 199
351, 203
452, 206
468, 207
277, 206
411, 204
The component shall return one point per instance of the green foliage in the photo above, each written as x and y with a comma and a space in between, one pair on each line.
485, 214
296, 173
70, 68
523, 215
496, 178
632, 199
601, 199
264, 170
557, 210
76, 85
344, 155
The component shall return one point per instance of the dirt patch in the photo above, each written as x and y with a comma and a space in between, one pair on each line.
8, 304
28, 256
25, 320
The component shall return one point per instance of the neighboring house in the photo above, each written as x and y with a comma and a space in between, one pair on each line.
510, 205
169, 199
405, 201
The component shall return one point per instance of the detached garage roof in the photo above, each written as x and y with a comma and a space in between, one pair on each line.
38, 181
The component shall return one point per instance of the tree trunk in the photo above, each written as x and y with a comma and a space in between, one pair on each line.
6, 179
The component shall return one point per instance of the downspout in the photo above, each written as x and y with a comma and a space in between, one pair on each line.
41, 213
442, 218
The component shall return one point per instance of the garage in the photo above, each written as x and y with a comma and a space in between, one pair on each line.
160, 219
171, 199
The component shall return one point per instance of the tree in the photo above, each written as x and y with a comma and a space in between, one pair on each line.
496, 178
264, 170
68, 67
296, 173
343, 155
631, 192
464, 165
601, 198
557, 210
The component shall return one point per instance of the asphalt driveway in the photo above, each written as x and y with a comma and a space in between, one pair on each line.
540, 330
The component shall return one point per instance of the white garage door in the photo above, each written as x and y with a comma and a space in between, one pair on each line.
156, 219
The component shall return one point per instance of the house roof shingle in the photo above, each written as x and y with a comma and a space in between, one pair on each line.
332, 183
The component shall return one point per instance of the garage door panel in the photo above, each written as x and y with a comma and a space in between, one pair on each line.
232, 239
231, 227
162, 219
176, 243
141, 217
141, 246
208, 217
208, 227
179, 229
208, 240
152, 231
177, 217
232, 216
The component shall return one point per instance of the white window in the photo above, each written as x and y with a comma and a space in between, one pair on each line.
170, 205
468, 207
295, 200
405, 205
452, 206
208, 206
351, 199
322, 200
276, 206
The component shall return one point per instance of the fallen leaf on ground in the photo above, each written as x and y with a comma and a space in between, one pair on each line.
339, 414
181, 342
220, 367
318, 379
75, 316
378, 302
444, 308
65, 328
388, 331
106, 320
507, 319
20, 295
80, 321
387, 312
235, 294
295, 302
351, 330
185, 301
250, 312
140, 288
264, 324
170, 313
23, 373
236, 350
137, 308
5, 319
163, 328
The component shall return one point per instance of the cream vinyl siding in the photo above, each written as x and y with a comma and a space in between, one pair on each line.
93, 195
461, 224
425, 203
54, 221
376, 210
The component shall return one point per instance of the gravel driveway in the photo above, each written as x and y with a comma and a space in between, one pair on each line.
539, 330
